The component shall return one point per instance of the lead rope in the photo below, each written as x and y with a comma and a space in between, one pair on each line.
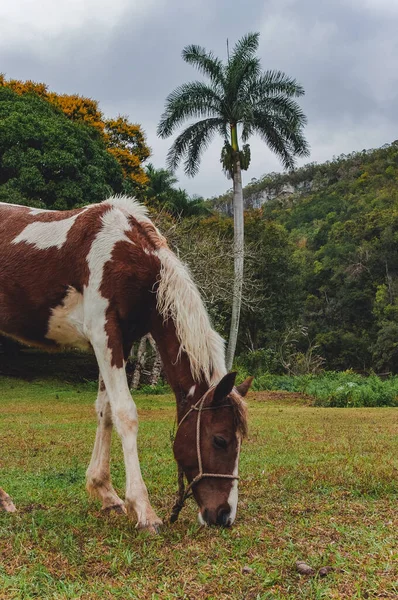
184, 493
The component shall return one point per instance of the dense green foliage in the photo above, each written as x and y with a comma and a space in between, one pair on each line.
162, 194
337, 389
340, 222
48, 161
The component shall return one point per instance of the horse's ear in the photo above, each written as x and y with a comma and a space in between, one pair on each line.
224, 387
244, 387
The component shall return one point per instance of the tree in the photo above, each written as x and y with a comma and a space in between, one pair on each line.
238, 101
160, 184
124, 141
161, 193
48, 161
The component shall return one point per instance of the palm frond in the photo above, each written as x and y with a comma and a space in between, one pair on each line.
190, 100
244, 49
272, 83
283, 137
190, 144
238, 76
205, 62
284, 107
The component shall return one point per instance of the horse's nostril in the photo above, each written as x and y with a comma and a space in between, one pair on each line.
223, 517
205, 515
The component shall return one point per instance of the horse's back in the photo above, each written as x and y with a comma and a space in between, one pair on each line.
51, 263
42, 256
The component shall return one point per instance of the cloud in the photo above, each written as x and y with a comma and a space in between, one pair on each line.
127, 55
39, 22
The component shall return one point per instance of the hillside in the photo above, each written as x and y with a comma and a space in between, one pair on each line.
311, 178
342, 219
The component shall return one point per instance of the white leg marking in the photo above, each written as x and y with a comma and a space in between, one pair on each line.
233, 495
125, 419
98, 472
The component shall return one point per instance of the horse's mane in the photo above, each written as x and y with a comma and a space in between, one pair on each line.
179, 298
239, 407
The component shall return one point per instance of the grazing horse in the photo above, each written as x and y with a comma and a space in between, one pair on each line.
101, 277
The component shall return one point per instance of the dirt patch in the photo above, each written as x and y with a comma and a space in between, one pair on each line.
281, 397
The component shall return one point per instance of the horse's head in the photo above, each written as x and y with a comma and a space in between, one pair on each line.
207, 446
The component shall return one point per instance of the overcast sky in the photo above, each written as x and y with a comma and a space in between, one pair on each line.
127, 55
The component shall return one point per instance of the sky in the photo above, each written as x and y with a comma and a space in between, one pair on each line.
127, 55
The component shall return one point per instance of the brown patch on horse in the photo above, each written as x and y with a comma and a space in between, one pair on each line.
148, 233
128, 283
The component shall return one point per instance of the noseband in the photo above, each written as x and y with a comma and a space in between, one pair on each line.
184, 493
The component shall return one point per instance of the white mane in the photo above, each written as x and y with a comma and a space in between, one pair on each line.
130, 206
179, 298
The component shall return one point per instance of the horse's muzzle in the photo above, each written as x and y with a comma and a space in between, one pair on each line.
220, 517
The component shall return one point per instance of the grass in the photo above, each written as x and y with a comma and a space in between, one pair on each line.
317, 484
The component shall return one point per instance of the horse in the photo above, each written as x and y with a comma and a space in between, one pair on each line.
98, 278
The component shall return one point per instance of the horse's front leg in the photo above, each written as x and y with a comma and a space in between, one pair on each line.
5, 502
125, 420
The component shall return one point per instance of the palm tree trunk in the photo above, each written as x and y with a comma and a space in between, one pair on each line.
238, 263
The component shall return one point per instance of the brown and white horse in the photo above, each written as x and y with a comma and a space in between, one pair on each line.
99, 278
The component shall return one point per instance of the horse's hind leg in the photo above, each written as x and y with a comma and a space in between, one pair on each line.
98, 473
6, 503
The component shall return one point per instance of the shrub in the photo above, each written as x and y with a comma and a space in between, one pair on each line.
339, 389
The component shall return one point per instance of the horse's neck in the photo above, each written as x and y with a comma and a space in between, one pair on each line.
175, 363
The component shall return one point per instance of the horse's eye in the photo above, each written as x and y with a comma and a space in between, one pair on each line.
220, 442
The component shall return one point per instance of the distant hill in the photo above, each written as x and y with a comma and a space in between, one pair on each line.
342, 219
311, 178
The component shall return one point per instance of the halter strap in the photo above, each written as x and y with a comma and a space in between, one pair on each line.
184, 493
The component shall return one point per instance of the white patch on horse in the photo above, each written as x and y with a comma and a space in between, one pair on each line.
10, 205
39, 211
66, 324
129, 206
179, 298
47, 235
233, 495
114, 226
134, 209
191, 391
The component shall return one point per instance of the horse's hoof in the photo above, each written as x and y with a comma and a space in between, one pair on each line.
118, 509
152, 528
7, 504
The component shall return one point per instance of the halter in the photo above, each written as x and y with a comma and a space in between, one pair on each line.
184, 493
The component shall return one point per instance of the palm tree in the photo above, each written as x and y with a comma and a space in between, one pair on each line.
162, 193
238, 101
160, 182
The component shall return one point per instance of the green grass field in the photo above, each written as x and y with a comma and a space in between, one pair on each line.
317, 484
